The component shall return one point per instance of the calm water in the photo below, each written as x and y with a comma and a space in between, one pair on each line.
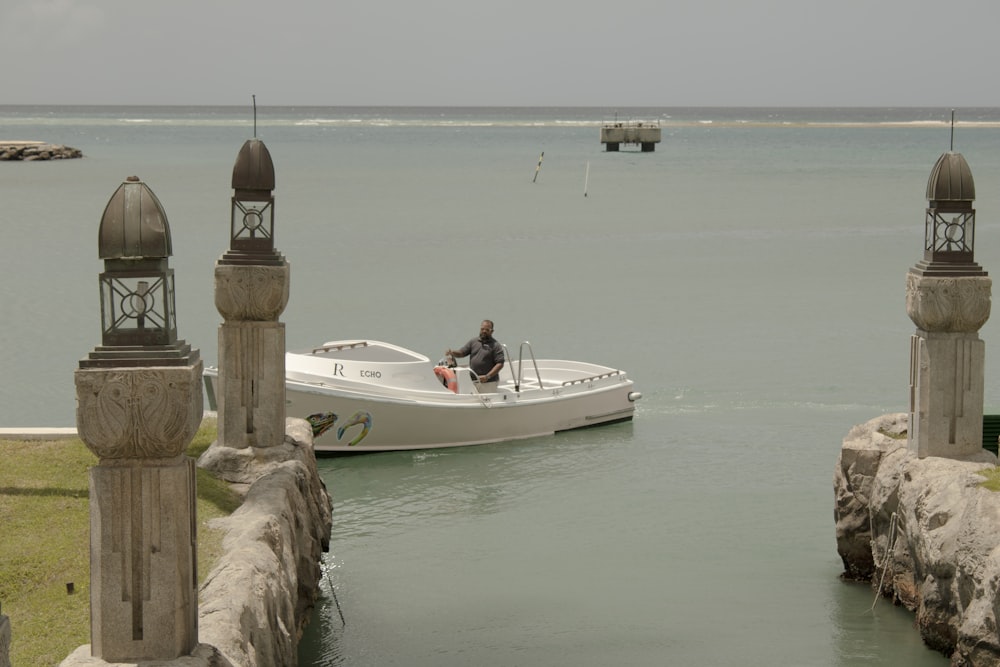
749, 274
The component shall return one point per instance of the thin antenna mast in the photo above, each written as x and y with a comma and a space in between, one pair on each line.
254, 97
952, 147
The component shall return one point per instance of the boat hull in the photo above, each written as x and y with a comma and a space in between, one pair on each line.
366, 423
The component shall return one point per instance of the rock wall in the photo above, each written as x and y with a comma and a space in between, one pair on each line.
925, 533
257, 599
29, 151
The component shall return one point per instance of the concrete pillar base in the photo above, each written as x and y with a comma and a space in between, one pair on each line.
144, 580
251, 387
946, 394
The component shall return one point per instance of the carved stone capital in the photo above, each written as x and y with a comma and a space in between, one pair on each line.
251, 292
955, 304
133, 413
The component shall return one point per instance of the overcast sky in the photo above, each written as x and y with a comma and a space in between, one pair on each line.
941, 53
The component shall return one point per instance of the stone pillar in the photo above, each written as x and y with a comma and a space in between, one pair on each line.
251, 388
144, 583
947, 359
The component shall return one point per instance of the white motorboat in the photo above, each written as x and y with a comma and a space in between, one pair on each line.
366, 396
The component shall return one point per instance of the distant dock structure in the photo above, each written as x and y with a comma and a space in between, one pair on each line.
644, 133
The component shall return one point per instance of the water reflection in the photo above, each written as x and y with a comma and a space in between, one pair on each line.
882, 634
455, 511
376, 491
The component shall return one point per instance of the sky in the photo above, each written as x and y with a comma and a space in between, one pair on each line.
662, 53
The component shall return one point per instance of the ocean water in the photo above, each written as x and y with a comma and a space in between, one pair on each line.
748, 274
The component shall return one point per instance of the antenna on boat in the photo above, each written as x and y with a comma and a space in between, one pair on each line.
952, 147
539, 167
254, 98
586, 178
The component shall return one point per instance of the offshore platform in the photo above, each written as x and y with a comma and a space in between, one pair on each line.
643, 133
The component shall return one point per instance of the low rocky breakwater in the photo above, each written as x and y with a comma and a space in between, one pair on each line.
924, 533
29, 151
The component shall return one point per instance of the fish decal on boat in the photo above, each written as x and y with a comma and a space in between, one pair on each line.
321, 422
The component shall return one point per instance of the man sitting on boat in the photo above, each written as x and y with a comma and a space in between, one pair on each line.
486, 357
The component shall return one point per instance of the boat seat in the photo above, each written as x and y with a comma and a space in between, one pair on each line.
465, 383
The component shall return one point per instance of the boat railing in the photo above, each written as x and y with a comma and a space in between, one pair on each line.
341, 346
592, 378
519, 376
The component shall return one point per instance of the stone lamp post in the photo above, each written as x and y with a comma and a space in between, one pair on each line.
948, 299
251, 292
139, 404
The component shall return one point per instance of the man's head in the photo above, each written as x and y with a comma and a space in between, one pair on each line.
485, 329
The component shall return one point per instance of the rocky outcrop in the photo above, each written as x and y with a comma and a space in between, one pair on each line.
256, 600
28, 151
925, 533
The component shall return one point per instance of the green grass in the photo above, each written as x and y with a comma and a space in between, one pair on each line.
992, 481
45, 541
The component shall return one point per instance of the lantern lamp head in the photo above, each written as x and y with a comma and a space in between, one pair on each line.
137, 284
949, 231
252, 224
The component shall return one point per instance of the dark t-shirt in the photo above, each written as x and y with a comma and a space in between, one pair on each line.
483, 354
